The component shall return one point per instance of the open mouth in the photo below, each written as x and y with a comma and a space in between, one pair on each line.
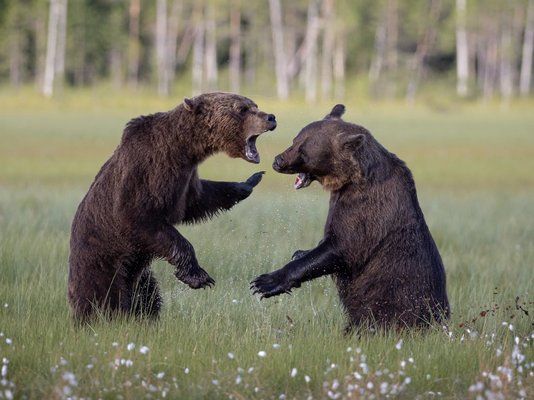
303, 180
251, 152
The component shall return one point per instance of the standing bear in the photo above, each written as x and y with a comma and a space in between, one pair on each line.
149, 184
376, 244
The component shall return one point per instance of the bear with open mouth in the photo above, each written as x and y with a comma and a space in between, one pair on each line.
150, 184
376, 244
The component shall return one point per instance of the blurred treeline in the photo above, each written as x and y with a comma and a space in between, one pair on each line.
311, 48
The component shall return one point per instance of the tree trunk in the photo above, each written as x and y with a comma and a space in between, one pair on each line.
211, 48
328, 48
235, 46
377, 64
198, 48
61, 41
462, 54
526, 56
282, 86
310, 58
134, 47
172, 39
161, 48
51, 48
391, 47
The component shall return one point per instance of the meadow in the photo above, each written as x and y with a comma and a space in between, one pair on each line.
473, 165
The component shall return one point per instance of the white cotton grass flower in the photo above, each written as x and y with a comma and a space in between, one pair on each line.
307, 379
130, 346
398, 346
276, 346
231, 355
294, 372
186, 370
160, 375
262, 354
144, 350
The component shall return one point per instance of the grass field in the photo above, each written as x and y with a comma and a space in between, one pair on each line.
473, 166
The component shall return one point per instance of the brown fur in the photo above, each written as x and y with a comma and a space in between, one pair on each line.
376, 243
149, 184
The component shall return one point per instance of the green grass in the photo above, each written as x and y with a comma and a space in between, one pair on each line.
473, 166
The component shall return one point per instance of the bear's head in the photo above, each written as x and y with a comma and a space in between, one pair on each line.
329, 151
233, 123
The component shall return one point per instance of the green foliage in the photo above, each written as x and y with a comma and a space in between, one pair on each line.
472, 167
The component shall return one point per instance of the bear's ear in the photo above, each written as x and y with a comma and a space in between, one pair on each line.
190, 104
350, 140
337, 112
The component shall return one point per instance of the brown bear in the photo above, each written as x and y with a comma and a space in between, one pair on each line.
149, 184
376, 243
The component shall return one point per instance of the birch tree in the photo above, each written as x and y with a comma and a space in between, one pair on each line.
198, 48
526, 54
462, 54
282, 85
211, 48
55, 47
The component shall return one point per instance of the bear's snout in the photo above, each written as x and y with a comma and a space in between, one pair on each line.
272, 120
279, 164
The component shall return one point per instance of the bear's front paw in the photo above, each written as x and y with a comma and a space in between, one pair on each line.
245, 188
255, 179
269, 285
196, 278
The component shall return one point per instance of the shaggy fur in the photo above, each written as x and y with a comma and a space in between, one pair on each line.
148, 185
376, 243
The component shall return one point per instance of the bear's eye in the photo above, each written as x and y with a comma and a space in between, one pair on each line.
243, 110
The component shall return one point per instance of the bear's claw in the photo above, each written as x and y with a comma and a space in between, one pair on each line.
255, 179
269, 285
197, 280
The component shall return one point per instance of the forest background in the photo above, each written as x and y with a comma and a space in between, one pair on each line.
315, 49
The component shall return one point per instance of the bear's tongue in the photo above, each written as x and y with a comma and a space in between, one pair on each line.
302, 180
250, 150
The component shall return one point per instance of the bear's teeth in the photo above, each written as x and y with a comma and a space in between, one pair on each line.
298, 182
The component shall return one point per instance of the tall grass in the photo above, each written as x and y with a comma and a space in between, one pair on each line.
474, 175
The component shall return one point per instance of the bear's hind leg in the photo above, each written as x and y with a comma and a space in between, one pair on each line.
146, 298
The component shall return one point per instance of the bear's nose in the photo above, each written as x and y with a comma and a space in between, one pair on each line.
271, 118
278, 162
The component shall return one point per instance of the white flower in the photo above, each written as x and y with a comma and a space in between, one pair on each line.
307, 379
276, 346
9, 342
262, 354
238, 379
160, 375
231, 356
144, 350
114, 344
130, 346
398, 346
293, 372
186, 370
